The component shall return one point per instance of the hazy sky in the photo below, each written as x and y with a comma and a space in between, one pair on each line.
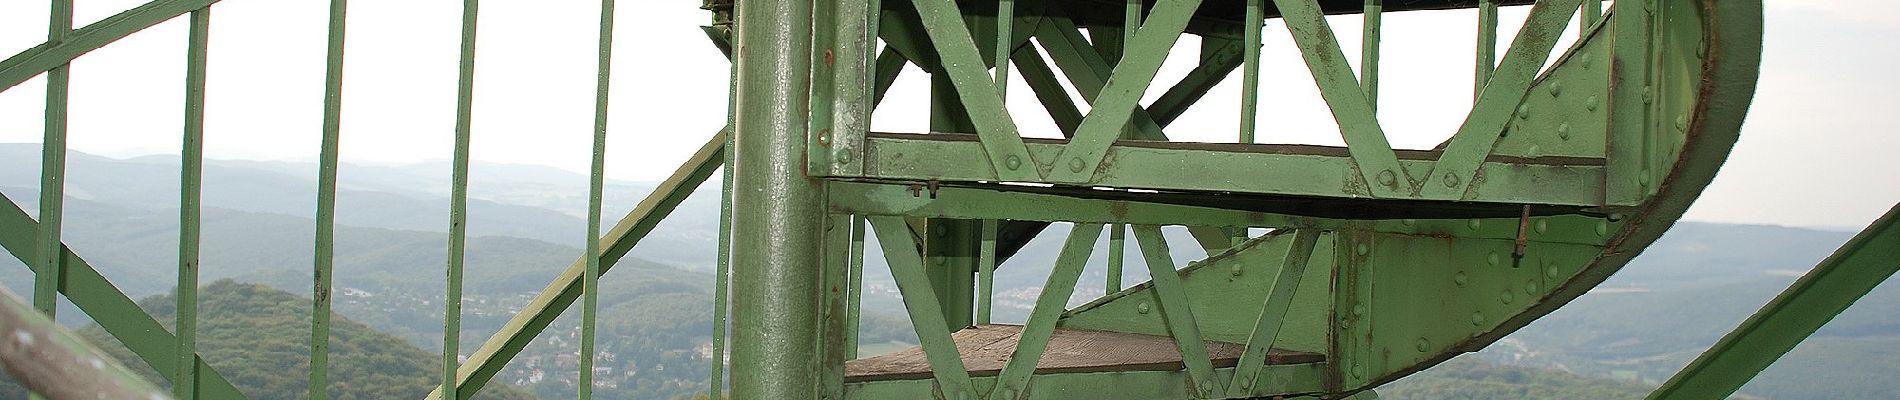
1816, 149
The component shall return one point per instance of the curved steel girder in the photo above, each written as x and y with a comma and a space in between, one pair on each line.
34, 61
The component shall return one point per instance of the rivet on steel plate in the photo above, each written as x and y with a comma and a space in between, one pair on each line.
1590, 103
1531, 286
1563, 131
1507, 297
1424, 345
1460, 279
1492, 259
1363, 249
1143, 307
1477, 317
1451, 180
1388, 178
1076, 164
1235, 271
1359, 310
1523, 111
1550, 271
1012, 162
1543, 225
842, 156
1475, 223
1682, 122
1556, 88
1603, 228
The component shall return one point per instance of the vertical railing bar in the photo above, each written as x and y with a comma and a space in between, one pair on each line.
325, 252
53, 169
855, 302
190, 191
1369, 52
1116, 246
1487, 45
1131, 22
458, 204
1250, 71
1005, 21
47, 278
722, 262
986, 272
590, 280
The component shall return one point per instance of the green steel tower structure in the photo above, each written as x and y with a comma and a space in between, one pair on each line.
1331, 269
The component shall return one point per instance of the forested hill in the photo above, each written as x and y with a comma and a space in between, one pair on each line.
259, 339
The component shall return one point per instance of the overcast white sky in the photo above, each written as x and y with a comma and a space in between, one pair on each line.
1817, 149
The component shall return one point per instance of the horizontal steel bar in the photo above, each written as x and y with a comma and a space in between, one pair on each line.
1267, 169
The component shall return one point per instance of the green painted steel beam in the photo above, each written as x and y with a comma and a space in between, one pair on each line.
47, 278
1088, 72
778, 216
1013, 381
980, 203
191, 191
903, 255
50, 360
1318, 172
1273, 311
1172, 301
1456, 168
596, 183
1250, 70
458, 204
1078, 161
1855, 269
324, 253
1288, 379
1377, 168
107, 305
48, 56
962, 61
1218, 59
486, 361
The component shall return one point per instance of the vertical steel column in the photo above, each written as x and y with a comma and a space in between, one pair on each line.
1250, 71
986, 272
458, 206
590, 280
778, 210
190, 190
854, 308
53, 169
1369, 52
326, 207
1592, 12
1116, 246
1487, 45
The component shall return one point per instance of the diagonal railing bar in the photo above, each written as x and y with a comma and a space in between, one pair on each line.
38, 59
1371, 153
907, 268
1512, 80
1087, 71
1123, 91
1009, 158
1219, 57
107, 305
1273, 311
1175, 311
1013, 381
1855, 269
494, 354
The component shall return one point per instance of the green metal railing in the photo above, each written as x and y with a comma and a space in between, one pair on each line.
1359, 234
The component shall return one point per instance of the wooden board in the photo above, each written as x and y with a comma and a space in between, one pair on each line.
986, 348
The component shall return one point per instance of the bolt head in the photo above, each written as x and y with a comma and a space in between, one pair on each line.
1388, 178
1076, 164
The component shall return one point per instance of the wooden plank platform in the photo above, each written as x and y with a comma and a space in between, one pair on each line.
986, 348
